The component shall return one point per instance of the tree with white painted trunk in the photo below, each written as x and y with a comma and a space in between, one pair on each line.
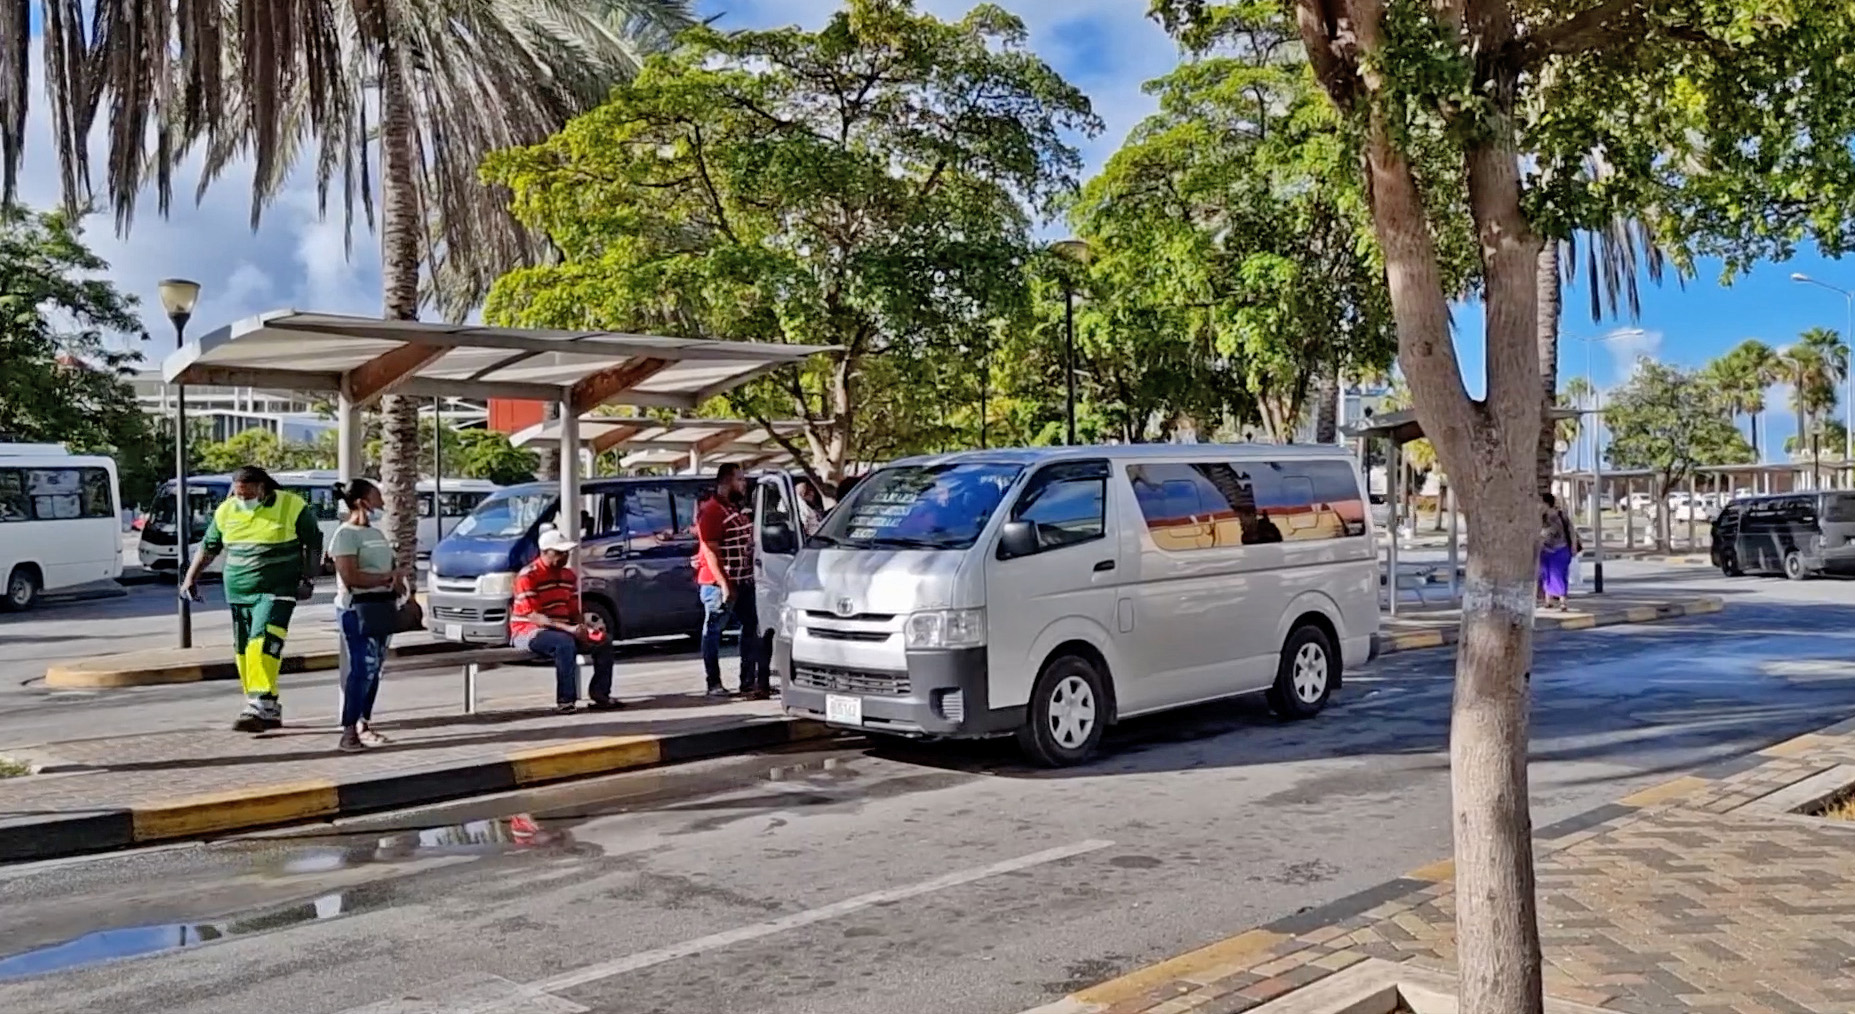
1714, 116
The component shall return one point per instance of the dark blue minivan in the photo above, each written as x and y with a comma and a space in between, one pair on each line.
637, 577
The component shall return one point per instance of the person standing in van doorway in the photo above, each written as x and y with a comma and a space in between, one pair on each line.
272, 546
725, 580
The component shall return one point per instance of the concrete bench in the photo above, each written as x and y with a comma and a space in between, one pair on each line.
471, 660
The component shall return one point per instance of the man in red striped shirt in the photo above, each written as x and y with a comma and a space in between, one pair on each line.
545, 620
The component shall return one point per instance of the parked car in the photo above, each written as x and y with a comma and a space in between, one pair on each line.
1798, 535
1682, 507
1639, 503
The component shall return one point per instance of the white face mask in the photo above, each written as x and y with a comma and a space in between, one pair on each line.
374, 514
248, 505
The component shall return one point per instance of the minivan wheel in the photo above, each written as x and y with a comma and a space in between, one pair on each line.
22, 589
1729, 564
597, 622
1793, 566
1068, 713
1304, 676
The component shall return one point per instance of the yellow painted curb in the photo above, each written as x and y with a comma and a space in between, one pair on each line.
1199, 967
1435, 873
1706, 605
193, 816
1798, 746
1641, 614
1577, 623
585, 757
78, 678
1666, 791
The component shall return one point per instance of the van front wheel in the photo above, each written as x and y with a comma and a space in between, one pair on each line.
1304, 677
1794, 567
1067, 715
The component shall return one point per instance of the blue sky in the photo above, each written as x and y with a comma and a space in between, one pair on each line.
1108, 48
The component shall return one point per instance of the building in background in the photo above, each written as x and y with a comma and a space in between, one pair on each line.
294, 417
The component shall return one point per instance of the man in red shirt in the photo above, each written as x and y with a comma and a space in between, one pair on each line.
725, 578
545, 620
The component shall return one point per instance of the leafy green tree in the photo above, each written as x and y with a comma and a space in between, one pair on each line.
487, 454
1831, 441
420, 90
1670, 420
869, 185
60, 381
1231, 237
1725, 126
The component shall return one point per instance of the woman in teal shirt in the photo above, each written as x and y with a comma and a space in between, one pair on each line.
367, 585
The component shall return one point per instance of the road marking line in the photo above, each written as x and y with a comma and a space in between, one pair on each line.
728, 938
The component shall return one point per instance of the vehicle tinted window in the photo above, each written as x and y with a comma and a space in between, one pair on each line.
1201, 505
98, 500
685, 498
1839, 507
13, 503
1066, 503
942, 506
649, 519
772, 507
325, 507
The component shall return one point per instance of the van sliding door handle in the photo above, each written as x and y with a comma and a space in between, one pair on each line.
1104, 565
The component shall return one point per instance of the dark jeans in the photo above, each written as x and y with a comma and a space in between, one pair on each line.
715, 618
565, 650
363, 652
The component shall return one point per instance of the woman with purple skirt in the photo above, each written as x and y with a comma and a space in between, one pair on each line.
1557, 544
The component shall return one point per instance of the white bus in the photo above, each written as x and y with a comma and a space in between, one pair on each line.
317, 488
60, 521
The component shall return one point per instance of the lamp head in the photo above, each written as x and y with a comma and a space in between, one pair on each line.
178, 297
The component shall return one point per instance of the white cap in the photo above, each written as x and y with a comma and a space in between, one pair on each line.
553, 541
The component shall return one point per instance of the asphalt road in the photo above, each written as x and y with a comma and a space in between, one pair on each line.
899, 880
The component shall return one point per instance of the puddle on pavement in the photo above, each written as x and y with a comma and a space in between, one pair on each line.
477, 838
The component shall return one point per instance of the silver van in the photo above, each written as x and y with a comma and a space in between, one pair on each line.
1047, 593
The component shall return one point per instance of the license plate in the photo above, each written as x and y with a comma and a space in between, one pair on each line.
843, 710
453, 631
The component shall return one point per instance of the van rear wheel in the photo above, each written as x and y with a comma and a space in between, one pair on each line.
1067, 715
1794, 567
1304, 676
22, 589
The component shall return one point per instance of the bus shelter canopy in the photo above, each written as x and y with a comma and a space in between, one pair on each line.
665, 441
361, 359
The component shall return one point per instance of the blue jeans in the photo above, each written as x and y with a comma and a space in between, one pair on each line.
363, 653
715, 617
564, 650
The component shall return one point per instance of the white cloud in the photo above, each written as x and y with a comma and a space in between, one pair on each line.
299, 259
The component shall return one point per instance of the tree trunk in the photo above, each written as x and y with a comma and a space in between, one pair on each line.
400, 227
1548, 294
1327, 390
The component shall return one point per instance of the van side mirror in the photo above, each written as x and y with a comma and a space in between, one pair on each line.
1017, 538
777, 537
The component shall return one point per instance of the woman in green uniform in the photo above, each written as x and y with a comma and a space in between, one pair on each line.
272, 545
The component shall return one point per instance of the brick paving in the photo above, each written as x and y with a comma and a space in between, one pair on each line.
81, 775
1687, 899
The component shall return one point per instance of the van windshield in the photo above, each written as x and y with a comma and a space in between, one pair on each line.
1839, 507
919, 507
202, 499
507, 516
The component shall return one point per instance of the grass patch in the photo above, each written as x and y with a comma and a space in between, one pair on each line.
1840, 808
10, 768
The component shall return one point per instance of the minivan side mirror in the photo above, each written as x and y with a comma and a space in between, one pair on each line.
777, 537
1017, 538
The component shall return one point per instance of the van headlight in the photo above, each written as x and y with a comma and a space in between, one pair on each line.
946, 628
501, 582
787, 622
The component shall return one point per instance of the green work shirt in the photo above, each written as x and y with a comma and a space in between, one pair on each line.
264, 548
372, 552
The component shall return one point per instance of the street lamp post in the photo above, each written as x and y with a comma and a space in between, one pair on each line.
178, 297
1597, 457
1848, 370
1078, 251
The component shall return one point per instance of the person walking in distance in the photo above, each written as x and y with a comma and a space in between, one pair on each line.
272, 546
725, 580
545, 620
367, 588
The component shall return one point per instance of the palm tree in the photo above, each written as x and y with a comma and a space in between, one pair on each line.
1742, 376
421, 88
1814, 367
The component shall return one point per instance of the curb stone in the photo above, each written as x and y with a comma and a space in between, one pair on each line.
101, 673
1416, 640
40, 837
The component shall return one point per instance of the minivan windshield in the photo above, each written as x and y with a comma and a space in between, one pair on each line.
202, 499
508, 515
1839, 507
942, 506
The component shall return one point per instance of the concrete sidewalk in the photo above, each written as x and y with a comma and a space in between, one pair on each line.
117, 791
1711, 893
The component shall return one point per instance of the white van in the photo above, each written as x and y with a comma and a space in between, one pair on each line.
1048, 593
60, 521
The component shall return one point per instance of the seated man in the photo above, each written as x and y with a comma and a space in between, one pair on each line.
545, 619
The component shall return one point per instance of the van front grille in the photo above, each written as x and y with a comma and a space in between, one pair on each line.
820, 614
468, 614
850, 681
833, 634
